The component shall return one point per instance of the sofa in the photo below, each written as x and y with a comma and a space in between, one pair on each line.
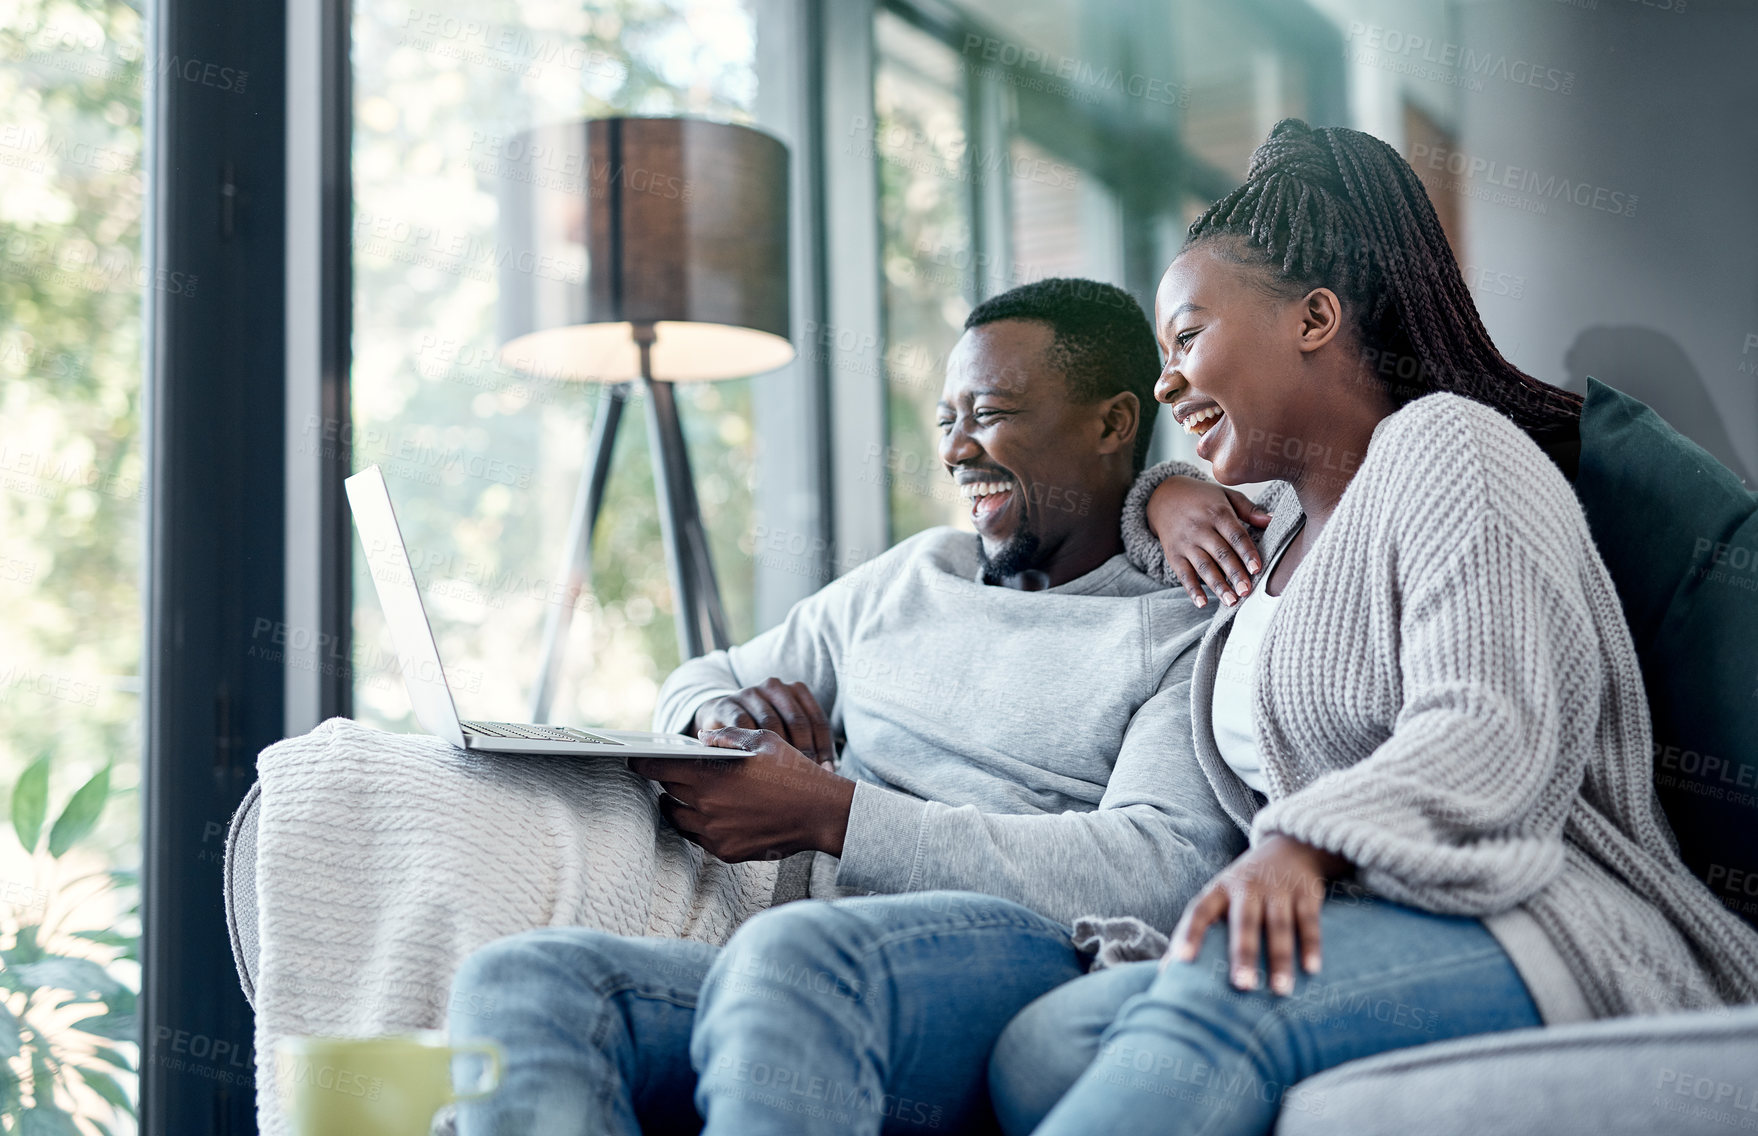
1672, 526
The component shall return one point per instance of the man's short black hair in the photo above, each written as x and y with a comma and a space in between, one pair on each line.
1103, 343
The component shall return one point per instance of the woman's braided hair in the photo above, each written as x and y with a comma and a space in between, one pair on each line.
1340, 209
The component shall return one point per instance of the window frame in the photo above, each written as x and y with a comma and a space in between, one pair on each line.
214, 404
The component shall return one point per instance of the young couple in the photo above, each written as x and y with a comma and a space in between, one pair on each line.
1423, 686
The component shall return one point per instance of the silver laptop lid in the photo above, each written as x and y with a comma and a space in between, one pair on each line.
394, 579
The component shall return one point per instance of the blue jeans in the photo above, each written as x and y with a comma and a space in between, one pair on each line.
853, 1016
1137, 1049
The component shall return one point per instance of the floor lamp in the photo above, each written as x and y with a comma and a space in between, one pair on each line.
650, 251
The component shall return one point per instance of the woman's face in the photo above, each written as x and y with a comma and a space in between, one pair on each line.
1234, 366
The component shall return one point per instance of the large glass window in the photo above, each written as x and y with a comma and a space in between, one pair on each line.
1062, 223
1018, 141
483, 461
71, 284
1238, 82
926, 172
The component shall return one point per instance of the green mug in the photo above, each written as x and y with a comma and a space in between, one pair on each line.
375, 1086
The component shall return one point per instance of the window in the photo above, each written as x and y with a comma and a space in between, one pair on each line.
71, 285
1018, 141
925, 170
1061, 223
483, 461
1239, 81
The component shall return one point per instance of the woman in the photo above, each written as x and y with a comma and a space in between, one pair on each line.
1428, 689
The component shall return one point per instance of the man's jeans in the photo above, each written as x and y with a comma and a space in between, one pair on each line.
1137, 1049
852, 1016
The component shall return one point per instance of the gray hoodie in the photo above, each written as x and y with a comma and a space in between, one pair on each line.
1030, 745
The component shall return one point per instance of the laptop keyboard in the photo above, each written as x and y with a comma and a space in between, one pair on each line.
534, 733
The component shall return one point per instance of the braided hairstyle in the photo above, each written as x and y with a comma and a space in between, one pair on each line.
1339, 209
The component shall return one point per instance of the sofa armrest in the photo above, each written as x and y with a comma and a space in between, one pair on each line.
241, 890
1689, 1074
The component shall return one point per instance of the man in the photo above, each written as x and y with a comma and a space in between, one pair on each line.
1015, 708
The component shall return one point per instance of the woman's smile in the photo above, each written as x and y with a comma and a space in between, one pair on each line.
1198, 423
1203, 419
1211, 431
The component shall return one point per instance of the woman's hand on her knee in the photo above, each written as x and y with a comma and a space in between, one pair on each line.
1272, 894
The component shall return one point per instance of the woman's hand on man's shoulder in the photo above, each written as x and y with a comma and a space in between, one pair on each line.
1205, 532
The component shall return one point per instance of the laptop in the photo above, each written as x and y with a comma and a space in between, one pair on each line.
394, 579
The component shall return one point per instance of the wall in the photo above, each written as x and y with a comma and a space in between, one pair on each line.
1658, 297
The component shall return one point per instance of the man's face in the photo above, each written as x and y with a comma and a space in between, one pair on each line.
1027, 458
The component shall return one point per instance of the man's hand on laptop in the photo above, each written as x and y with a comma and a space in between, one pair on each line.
787, 708
772, 802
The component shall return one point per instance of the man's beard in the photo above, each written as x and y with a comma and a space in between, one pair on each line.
1018, 554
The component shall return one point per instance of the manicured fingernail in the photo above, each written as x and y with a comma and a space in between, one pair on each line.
1245, 587
1229, 598
1255, 565
1201, 601
1312, 964
1245, 978
1283, 983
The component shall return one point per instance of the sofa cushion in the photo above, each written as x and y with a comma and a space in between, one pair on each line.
1682, 1074
1679, 534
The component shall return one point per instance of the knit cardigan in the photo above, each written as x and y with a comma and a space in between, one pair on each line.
1448, 698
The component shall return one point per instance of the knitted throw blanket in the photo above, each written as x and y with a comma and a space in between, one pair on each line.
383, 860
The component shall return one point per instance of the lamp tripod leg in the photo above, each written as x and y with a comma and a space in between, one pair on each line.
701, 620
576, 568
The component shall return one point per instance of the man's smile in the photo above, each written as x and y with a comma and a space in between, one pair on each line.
989, 498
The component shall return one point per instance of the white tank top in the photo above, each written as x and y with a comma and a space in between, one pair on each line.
1235, 681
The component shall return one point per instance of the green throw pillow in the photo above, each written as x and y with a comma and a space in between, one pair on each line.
1679, 534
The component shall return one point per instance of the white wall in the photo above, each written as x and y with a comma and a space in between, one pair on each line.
1664, 106
1377, 89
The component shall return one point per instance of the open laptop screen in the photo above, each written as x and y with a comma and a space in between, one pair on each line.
394, 579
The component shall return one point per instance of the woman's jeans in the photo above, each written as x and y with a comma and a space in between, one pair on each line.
852, 1016
1138, 1049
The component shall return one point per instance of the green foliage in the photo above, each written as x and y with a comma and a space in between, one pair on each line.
71, 207
110, 1056
129, 944
81, 814
44, 972
47, 1122
70, 367
105, 1086
9, 1035
30, 803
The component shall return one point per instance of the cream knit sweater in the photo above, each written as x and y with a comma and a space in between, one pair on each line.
1448, 698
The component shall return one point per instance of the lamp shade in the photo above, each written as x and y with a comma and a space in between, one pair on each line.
675, 223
